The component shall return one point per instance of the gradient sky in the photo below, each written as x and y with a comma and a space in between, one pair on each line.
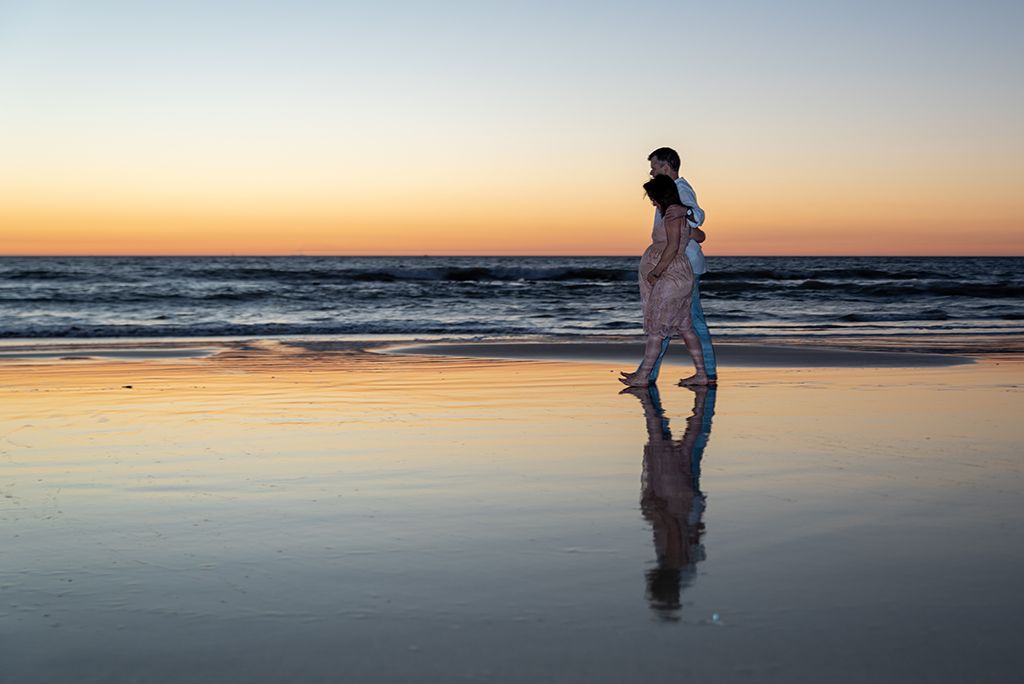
866, 127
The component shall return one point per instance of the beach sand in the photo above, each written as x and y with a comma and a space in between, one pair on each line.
271, 511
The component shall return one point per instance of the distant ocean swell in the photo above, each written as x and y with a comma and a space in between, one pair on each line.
497, 296
355, 274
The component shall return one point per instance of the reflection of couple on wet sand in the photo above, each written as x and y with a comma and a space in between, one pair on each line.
670, 272
671, 499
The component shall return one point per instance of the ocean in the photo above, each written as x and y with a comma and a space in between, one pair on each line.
812, 298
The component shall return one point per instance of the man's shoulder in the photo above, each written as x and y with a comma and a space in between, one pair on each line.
685, 189
683, 183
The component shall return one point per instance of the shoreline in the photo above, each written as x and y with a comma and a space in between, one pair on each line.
747, 353
728, 354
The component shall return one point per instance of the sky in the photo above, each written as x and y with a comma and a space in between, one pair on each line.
142, 127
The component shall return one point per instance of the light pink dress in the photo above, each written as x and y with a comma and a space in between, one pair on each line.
667, 304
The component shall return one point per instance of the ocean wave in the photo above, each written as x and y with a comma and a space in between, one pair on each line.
45, 275
847, 325
466, 288
761, 275
894, 292
425, 273
64, 298
882, 317
321, 275
261, 330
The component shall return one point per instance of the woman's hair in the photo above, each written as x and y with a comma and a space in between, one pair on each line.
663, 191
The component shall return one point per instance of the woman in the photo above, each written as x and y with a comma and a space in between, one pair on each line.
666, 282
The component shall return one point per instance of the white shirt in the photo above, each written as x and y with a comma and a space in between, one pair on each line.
695, 219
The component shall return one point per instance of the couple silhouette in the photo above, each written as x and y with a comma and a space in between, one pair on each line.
669, 274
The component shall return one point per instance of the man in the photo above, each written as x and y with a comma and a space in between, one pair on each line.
665, 162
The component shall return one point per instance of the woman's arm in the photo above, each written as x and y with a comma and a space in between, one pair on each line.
675, 229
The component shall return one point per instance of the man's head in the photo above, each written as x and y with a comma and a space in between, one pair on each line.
664, 162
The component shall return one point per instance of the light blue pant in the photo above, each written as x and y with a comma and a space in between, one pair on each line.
702, 437
700, 326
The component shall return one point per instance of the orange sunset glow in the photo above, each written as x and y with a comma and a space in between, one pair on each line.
120, 145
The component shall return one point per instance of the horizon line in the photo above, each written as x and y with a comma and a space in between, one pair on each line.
509, 256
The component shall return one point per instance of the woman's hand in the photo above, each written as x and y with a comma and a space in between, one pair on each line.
675, 219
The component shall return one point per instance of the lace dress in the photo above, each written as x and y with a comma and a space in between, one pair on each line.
666, 304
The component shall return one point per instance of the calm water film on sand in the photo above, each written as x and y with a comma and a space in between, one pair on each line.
212, 472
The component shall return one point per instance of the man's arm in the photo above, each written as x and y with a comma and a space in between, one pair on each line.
689, 198
696, 234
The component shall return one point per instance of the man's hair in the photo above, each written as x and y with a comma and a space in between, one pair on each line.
666, 155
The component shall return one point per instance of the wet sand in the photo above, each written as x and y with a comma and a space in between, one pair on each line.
272, 512
746, 355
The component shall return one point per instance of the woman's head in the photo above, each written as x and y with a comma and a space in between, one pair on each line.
663, 192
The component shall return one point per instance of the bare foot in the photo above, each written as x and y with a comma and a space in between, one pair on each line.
697, 380
635, 380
